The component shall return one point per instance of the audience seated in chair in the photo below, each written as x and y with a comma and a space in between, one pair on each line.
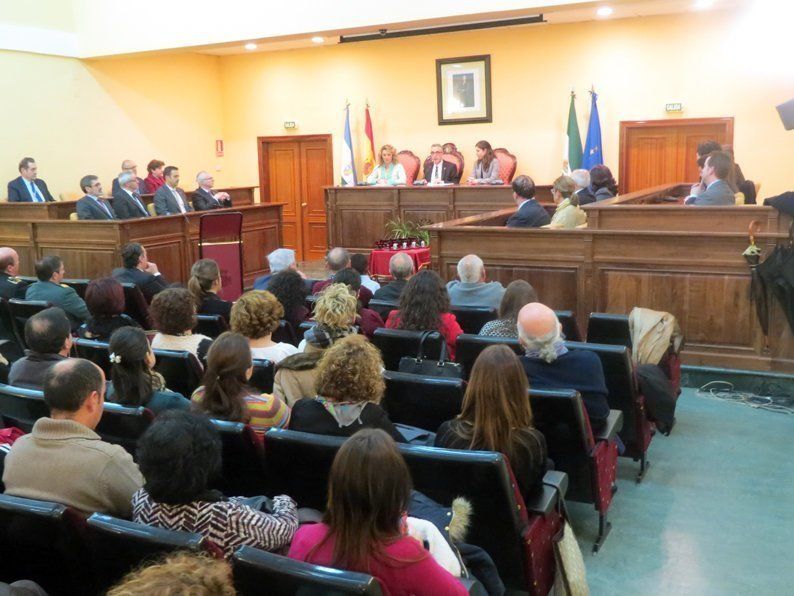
471, 289
139, 270
349, 389
133, 382
529, 213
335, 313
179, 455
582, 180
204, 285
360, 263
226, 394
401, 268
281, 259
568, 215
517, 294
549, 364
369, 490
174, 316
178, 573
496, 416
289, 288
63, 459
367, 320
50, 271
49, 337
424, 306
10, 285
338, 259
256, 316
602, 184
104, 298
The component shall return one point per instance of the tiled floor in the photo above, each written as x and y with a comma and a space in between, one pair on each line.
714, 515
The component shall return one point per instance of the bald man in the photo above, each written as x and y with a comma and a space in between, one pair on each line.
549, 364
336, 260
10, 286
127, 166
401, 267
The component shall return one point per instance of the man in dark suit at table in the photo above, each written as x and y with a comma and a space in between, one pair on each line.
438, 170
713, 188
170, 200
127, 201
92, 205
139, 270
204, 199
529, 214
127, 166
28, 188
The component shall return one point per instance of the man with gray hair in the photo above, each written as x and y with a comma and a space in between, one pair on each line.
278, 260
204, 199
401, 267
337, 259
550, 365
472, 289
582, 180
127, 201
127, 166
437, 170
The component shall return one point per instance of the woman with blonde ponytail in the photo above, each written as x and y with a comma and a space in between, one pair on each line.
204, 285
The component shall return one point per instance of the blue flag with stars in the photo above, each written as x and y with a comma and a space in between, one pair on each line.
593, 152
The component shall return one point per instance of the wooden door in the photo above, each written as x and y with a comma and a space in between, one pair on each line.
293, 170
654, 152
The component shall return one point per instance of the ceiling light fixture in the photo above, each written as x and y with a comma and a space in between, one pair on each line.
703, 4
318, 39
604, 11
250, 46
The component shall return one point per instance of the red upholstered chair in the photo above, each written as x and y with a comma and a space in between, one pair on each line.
410, 162
452, 155
507, 164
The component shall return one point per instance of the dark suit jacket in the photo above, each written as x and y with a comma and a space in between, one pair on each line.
214, 305
148, 283
165, 203
585, 196
203, 201
125, 207
529, 215
19, 192
87, 208
448, 171
115, 188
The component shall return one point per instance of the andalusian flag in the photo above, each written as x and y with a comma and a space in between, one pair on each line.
369, 159
572, 153
348, 165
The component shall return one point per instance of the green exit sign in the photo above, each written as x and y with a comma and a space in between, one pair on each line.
674, 107
290, 124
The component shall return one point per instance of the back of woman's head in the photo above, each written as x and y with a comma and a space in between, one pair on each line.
104, 297
517, 294
179, 574
351, 370
178, 456
225, 382
202, 275
173, 311
335, 307
288, 288
423, 301
132, 380
601, 177
496, 402
368, 491
256, 314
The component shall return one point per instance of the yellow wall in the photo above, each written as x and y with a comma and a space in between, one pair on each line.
79, 117
636, 65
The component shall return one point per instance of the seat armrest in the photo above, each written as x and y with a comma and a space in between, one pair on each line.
545, 500
611, 427
473, 586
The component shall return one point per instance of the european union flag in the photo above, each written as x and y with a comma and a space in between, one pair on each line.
593, 153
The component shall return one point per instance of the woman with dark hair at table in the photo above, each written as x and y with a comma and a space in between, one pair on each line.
104, 298
602, 184
486, 168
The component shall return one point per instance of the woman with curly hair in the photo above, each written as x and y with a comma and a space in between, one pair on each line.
602, 184
204, 285
289, 289
174, 316
179, 455
349, 388
225, 392
424, 306
256, 315
181, 572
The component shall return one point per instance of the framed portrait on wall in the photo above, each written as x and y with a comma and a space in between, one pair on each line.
463, 87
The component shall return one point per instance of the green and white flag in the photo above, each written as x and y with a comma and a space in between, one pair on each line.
572, 151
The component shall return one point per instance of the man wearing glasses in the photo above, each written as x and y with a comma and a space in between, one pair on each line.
438, 170
28, 187
92, 206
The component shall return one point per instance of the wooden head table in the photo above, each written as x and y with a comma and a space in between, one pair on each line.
641, 251
91, 249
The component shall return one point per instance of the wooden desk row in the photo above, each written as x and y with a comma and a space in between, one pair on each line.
683, 260
240, 195
91, 249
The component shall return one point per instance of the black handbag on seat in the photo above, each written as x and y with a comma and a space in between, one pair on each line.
430, 367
